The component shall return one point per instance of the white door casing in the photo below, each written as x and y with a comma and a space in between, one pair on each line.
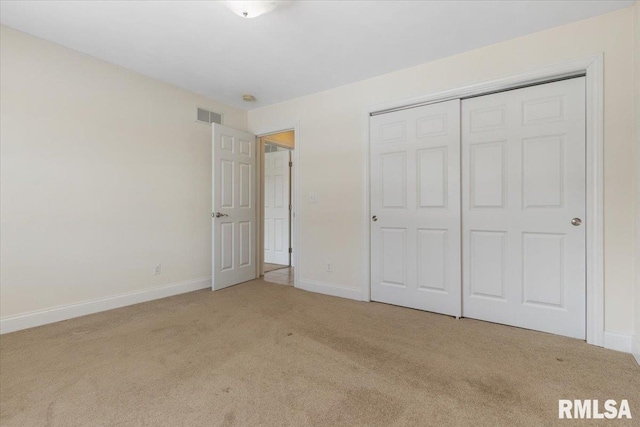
233, 178
292, 217
523, 180
415, 199
277, 207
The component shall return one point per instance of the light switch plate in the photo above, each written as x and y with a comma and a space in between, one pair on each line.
313, 197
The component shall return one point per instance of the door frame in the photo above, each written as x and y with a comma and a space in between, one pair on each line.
592, 68
295, 192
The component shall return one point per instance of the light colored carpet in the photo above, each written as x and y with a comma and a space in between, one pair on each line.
265, 354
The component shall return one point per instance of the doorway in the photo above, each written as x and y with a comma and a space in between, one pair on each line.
277, 214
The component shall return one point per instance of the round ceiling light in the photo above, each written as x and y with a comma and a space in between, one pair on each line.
251, 8
248, 98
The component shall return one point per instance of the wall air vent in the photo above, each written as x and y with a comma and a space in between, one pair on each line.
206, 116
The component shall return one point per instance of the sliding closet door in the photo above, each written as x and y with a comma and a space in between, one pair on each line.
523, 207
415, 208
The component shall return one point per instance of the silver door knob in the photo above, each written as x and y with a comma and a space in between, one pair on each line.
576, 221
218, 215
374, 218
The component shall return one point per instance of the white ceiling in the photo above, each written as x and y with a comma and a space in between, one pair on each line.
300, 48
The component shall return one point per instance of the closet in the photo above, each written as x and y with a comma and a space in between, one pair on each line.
478, 207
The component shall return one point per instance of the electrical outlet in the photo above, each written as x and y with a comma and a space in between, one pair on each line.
157, 270
329, 268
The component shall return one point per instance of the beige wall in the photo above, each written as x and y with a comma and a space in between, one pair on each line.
105, 174
636, 346
103, 170
332, 129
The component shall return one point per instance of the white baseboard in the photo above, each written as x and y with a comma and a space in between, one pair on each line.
618, 341
330, 289
636, 348
57, 314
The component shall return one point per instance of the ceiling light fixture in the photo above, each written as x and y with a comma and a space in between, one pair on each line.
248, 98
251, 8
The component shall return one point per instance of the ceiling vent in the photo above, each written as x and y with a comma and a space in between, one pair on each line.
206, 116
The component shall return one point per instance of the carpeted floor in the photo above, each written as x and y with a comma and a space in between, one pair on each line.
266, 354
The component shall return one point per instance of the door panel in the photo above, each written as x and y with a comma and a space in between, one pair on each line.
415, 195
432, 259
276, 207
542, 269
226, 245
432, 177
394, 180
487, 264
227, 180
245, 243
246, 174
487, 166
233, 240
523, 180
394, 251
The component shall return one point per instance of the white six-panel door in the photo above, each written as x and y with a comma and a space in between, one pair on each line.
234, 208
415, 203
276, 207
523, 181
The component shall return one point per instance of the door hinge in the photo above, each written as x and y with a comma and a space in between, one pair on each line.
290, 164
290, 250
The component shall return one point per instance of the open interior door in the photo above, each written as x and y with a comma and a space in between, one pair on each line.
277, 207
233, 207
